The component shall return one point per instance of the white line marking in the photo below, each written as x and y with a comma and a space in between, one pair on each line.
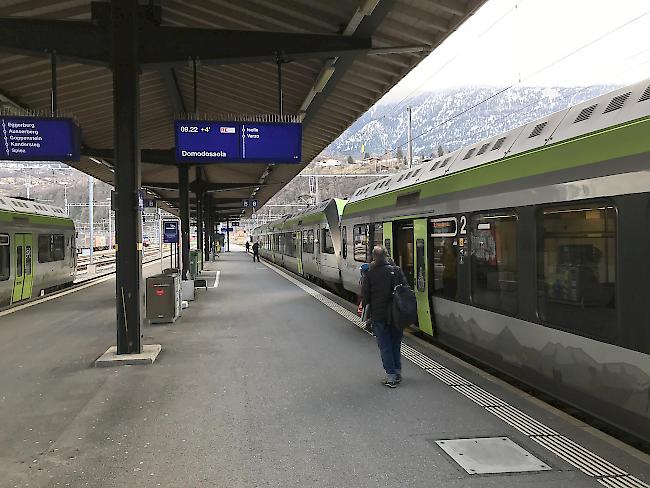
47, 298
518, 420
216, 280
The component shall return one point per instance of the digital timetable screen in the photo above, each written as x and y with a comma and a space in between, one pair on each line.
39, 139
201, 141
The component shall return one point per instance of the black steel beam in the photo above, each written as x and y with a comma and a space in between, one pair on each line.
166, 46
126, 112
154, 156
366, 29
170, 81
208, 226
199, 209
184, 204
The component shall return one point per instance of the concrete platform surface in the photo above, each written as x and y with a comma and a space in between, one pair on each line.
258, 385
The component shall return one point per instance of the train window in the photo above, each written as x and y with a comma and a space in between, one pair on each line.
19, 261
44, 254
360, 239
5, 257
58, 248
377, 234
444, 252
308, 241
344, 238
327, 246
577, 267
493, 240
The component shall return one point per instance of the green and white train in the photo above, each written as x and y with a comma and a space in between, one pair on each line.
37, 250
529, 251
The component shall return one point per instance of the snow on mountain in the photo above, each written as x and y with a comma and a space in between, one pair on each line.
456, 117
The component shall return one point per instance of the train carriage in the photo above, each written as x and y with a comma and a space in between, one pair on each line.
37, 250
530, 251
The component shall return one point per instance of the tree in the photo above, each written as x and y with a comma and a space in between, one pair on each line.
350, 160
400, 155
441, 151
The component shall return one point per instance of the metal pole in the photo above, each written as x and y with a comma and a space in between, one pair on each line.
207, 244
196, 98
184, 203
90, 216
110, 229
160, 240
65, 198
228, 235
279, 63
410, 135
126, 115
54, 88
199, 209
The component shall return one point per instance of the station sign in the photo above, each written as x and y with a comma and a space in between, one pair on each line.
204, 141
226, 229
234, 224
39, 139
170, 231
249, 203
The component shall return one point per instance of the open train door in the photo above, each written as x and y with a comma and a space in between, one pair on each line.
388, 238
421, 288
24, 278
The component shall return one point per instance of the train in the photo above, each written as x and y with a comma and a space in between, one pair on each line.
37, 250
528, 251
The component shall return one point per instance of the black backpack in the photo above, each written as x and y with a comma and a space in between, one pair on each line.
404, 306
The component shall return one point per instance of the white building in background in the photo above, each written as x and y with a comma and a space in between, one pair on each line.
326, 163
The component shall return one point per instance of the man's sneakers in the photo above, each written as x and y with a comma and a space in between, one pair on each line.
398, 378
391, 383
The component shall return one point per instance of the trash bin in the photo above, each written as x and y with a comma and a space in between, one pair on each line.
163, 304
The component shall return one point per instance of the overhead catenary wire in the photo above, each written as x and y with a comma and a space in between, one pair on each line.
503, 90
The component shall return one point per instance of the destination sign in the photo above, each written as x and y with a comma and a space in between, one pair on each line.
199, 141
39, 139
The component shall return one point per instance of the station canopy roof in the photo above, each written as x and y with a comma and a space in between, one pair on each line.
357, 52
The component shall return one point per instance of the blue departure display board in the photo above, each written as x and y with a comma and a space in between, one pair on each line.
39, 139
199, 141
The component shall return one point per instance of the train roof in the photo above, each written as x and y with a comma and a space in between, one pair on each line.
606, 111
17, 205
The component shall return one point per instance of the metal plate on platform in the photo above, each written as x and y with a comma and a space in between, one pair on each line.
488, 455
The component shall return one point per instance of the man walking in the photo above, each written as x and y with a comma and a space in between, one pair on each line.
256, 251
248, 246
377, 290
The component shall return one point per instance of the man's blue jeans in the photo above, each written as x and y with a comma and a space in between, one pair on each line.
389, 340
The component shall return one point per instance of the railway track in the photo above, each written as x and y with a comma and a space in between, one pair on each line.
104, 259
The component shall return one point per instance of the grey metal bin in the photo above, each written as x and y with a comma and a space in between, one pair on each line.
163, 299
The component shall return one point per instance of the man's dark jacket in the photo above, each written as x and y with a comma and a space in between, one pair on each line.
377, 288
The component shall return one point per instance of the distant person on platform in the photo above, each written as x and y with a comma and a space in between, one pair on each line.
256, 251
248, 246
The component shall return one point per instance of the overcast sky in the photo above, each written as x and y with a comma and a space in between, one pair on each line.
524, 41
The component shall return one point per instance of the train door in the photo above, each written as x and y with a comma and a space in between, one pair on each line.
24, 267
421, 275
317, 244
403, 248
298, 241
388, 238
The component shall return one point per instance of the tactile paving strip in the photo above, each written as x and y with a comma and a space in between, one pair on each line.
576, 455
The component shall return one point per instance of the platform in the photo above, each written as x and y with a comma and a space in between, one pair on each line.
266, 380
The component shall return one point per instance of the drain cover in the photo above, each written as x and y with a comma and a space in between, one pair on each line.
484, 455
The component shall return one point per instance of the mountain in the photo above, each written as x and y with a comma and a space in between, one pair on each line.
455, 117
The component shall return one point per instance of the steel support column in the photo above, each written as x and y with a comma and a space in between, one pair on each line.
208, 226
199, 211
184, 204
126, 108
